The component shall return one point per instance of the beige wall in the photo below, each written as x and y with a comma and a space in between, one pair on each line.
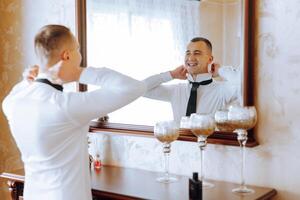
220, 22
10, 70
232, 33
18, 25
277, 96
211, 20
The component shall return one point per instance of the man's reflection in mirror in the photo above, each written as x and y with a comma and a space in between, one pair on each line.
208, 88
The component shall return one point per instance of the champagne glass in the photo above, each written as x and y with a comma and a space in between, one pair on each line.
185, 123
166, 132
242, 119
222, 122
202, 125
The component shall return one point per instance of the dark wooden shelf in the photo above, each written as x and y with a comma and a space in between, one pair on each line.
218, 137
125, 183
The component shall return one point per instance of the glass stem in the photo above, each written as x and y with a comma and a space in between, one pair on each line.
167, 150
202, 157
242, 138
243, 165
202, 143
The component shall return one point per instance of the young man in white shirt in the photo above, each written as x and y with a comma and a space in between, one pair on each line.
50, 126
210, 95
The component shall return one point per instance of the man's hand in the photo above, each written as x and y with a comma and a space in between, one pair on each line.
179, 73
214, 69
31, 73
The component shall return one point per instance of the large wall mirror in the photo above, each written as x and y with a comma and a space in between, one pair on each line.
141, 38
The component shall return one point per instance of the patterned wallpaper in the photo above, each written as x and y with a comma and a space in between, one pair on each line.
18, 25
10, 70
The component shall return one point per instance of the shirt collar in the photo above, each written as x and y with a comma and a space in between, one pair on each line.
43, 75
199, 77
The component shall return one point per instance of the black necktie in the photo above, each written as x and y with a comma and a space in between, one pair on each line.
46, 81
191, 106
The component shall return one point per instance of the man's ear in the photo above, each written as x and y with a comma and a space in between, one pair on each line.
210, 59
65, 55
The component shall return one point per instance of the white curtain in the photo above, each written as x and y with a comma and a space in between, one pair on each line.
140, 38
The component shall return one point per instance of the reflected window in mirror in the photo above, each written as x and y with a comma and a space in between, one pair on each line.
143, 38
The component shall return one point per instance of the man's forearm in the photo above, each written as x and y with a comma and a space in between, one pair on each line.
156, 80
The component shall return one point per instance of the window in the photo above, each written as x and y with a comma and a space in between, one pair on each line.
140, 38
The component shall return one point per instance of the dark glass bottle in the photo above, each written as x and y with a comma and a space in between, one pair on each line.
195, 187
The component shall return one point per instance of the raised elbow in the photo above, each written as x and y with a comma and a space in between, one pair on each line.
136, 89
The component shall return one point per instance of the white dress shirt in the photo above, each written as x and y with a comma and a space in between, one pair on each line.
50, 128
210, 98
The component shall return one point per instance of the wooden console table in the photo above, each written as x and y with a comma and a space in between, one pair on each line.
124, 183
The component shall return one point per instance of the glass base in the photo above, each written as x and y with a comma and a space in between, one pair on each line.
243, 190
207, 185
165, 179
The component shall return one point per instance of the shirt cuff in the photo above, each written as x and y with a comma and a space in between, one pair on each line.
229, 73
166, 76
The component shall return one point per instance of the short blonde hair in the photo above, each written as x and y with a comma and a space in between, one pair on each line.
51, 38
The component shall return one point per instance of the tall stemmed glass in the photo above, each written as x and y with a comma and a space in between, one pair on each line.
166, 132
222, 122
185, 123
202, 125
242, 119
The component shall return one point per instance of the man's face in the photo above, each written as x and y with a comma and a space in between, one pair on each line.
71, 60
197, 58
74, 52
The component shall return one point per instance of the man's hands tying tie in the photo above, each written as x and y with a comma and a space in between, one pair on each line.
179, 73
214, 69
59, 73
31, 73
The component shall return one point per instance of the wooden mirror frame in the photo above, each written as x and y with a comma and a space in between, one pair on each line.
218, 137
